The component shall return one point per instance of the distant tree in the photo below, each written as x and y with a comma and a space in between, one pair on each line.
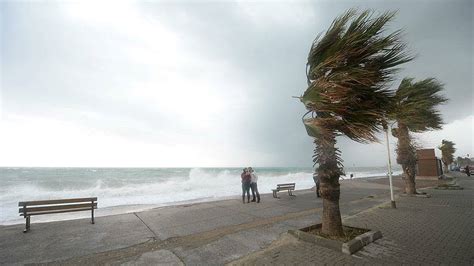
415, 110
348, 70
447, 153
463, 161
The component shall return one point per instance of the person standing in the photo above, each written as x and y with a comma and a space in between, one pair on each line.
253, 185
316, 180
245, 176
468, 173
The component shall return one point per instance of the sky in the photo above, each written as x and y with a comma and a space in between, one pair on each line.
199, 83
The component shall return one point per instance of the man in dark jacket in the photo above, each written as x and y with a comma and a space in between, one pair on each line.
245, 176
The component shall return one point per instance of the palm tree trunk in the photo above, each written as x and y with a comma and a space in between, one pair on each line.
409, 177
406, 157
446, 168
326, 154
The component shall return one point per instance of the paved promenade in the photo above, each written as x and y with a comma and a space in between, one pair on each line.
205, 233
426, 231
421, 230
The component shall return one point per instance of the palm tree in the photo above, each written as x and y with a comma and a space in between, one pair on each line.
447, 153
460, 161
347, 73
414, 110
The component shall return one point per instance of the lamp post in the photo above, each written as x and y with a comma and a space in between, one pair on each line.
389, 166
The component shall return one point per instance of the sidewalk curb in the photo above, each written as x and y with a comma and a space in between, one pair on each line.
360, 241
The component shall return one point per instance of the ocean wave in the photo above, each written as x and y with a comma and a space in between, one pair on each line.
113, 190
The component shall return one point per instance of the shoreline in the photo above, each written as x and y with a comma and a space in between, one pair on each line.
132, 208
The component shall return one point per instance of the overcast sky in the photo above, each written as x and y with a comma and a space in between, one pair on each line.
188, 83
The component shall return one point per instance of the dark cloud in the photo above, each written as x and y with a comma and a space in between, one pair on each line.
265, 44
438, 33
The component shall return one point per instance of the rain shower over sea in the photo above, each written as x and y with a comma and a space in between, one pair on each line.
117, 188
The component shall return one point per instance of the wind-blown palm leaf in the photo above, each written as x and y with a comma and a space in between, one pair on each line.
415, 104
347, 72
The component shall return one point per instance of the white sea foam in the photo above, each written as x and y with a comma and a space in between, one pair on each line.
138, 190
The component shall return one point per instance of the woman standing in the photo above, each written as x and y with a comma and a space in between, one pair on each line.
253, 185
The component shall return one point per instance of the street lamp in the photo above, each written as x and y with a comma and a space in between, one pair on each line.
389, 166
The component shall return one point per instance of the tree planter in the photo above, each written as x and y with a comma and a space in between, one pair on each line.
348, 247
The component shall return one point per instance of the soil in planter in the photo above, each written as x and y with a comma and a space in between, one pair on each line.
349, 233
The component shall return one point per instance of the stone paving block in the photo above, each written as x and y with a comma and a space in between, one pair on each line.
160, 257
236, 206
48, 241
305, 221
276, 211
216, 253
202, 226
168, 217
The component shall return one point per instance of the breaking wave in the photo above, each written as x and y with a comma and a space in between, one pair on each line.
120, 187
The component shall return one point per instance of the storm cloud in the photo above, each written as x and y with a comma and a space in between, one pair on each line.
192, 83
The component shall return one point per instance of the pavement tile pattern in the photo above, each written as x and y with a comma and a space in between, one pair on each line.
421, 231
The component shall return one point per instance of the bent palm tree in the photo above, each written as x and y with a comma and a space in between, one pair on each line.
414, 110
447, 153
347, 72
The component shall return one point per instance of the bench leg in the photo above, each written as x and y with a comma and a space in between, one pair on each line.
92, 215
275, 194
27, 225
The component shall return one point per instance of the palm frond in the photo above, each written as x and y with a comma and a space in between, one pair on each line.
416, 104
348, 70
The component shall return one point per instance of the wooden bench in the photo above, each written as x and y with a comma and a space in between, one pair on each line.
41, 207
280, 187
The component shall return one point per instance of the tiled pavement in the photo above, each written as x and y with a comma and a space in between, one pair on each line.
426, 231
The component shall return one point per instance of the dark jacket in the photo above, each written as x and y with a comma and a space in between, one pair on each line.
245, 177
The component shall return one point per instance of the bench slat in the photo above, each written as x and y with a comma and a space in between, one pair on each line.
287, 184
57, 207
60, 211
46, 202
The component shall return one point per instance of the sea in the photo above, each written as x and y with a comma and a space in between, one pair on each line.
122, 190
